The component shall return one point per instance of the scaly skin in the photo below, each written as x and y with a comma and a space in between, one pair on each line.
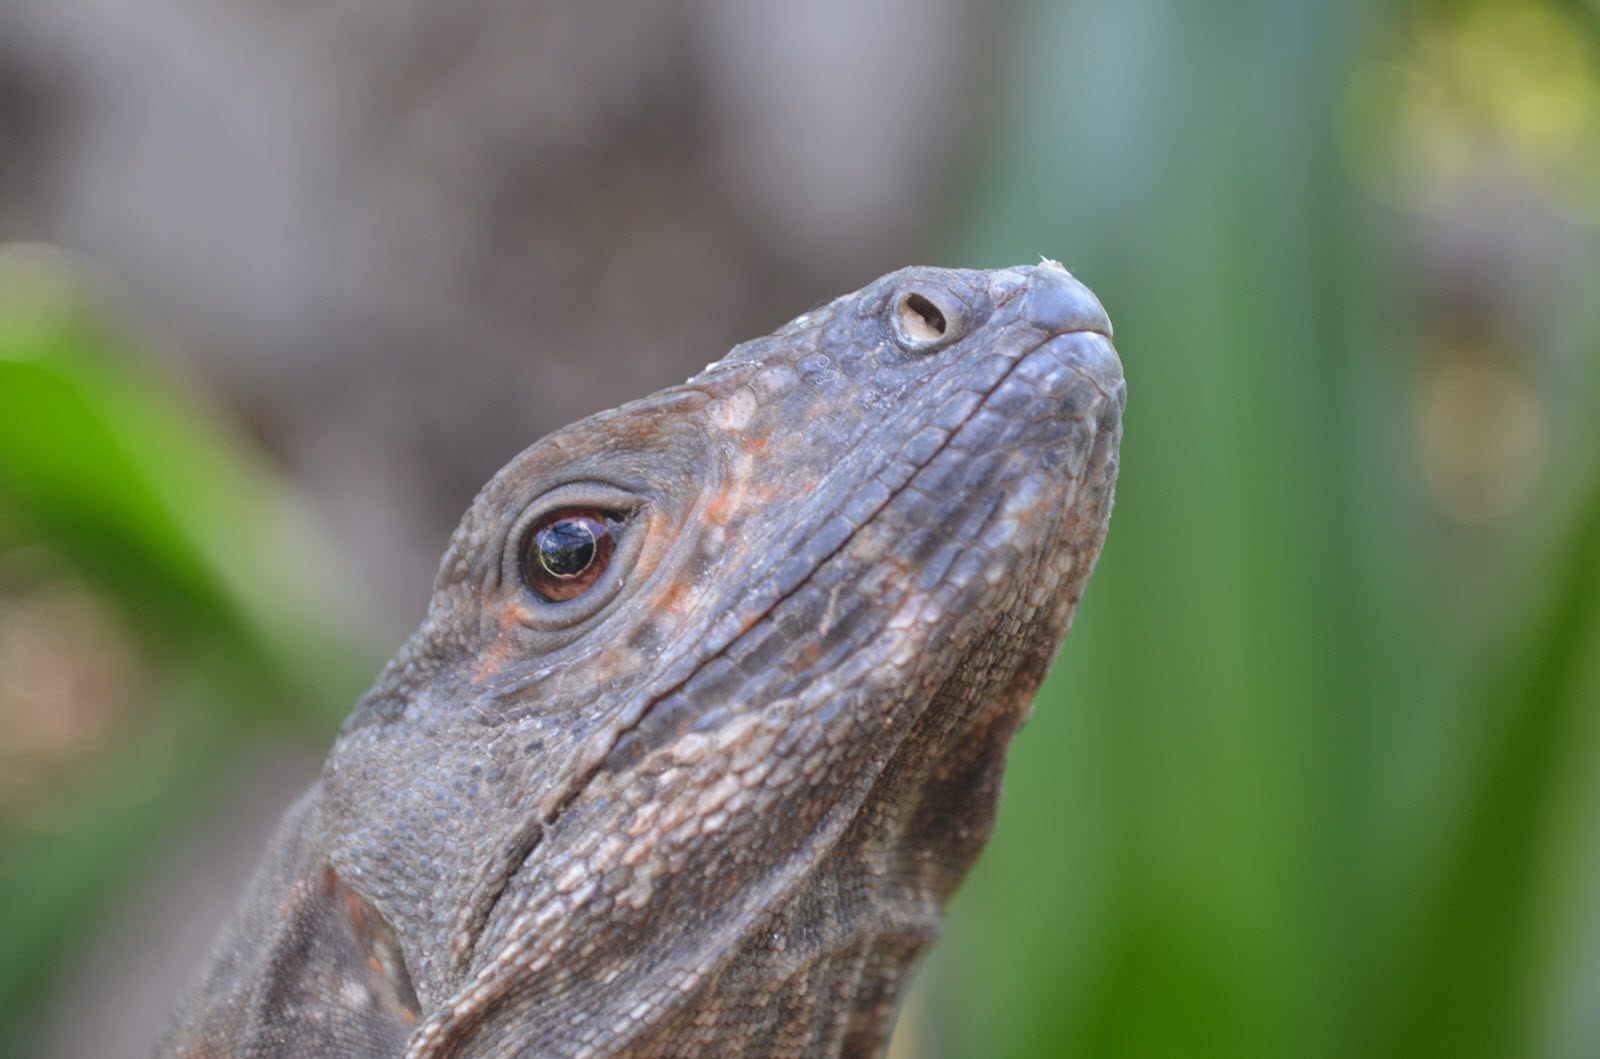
714, 803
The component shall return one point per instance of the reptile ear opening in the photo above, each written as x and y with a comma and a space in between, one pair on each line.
334, 973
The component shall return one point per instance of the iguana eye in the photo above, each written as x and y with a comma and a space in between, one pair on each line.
565, 552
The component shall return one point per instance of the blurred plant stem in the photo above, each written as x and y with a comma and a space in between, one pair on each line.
1473, 970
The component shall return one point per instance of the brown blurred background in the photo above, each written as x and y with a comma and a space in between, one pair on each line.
281, 284
403, 240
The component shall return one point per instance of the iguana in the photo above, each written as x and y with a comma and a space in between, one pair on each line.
710, 708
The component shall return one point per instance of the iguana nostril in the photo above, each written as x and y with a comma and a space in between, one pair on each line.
921, 322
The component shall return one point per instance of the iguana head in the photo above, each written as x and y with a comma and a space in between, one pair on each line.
710, 708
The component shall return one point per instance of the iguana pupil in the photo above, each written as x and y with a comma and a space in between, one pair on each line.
567, 548
567, 553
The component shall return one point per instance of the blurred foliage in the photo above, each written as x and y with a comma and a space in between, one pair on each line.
159, 608
1319, 771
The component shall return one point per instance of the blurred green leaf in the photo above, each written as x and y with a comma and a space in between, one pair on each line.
1471, 980
225, 588
1265, 806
